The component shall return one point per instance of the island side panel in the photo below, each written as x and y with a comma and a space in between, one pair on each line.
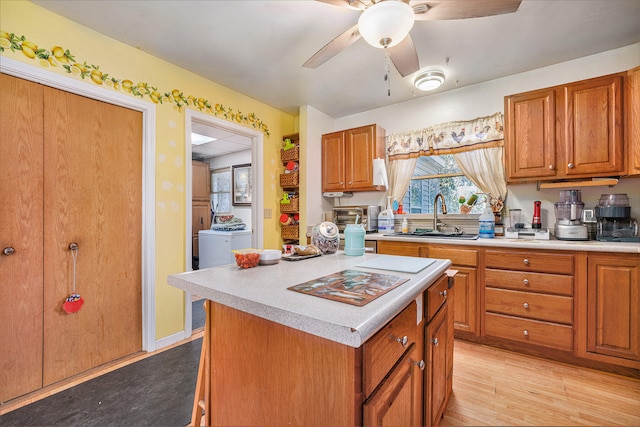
264, 373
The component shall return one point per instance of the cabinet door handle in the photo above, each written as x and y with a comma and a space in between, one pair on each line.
525, 305
435, 342
525, 281
8, 251
526, 261
525, 333
420, 364
403, 341
570, 166
444, 293
551, 167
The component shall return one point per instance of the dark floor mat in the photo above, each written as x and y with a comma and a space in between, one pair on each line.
157, 391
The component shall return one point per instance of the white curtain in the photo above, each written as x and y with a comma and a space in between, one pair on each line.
400, 173
484, 168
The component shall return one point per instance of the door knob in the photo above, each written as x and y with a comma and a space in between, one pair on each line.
8, 251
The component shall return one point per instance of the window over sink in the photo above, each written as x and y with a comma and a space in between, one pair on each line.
439, 174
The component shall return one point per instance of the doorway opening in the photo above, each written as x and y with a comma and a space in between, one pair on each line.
230, 138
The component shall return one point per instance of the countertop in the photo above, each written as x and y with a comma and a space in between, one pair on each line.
502, 242
262, 291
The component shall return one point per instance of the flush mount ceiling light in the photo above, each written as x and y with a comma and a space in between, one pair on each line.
429, 80
386, 23
197, 139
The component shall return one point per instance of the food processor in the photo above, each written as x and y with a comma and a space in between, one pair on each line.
614, 222
568, 210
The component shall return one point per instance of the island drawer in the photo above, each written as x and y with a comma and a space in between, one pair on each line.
435, 296
553, 308
544, 334
530, 261
527, 281
386, 347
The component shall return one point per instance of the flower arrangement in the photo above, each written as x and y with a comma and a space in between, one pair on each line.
467, 204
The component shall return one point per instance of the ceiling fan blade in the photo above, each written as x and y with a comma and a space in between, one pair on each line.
404, 57
333, 48
350, 4
462, 9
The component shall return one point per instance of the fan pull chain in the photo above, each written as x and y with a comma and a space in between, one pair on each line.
387, 77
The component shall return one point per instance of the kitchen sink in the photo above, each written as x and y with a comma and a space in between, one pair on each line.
436, 235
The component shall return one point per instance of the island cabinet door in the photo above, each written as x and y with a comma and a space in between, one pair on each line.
398, 400
436, 347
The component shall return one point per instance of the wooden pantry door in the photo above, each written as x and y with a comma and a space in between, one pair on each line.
92, 197
21, 231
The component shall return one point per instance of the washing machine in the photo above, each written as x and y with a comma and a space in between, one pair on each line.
215, 246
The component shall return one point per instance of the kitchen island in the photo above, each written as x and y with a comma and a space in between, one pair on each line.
273, 356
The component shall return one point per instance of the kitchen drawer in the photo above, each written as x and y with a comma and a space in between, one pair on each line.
435, 296
536, 332
526, 281
386, 347
553, 308
467, 257
530, 261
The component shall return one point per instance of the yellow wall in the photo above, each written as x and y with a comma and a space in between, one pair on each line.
123, 62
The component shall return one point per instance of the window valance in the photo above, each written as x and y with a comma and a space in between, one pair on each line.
447, 137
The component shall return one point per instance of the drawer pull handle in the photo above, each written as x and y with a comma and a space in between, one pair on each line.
525, 333
435, 342
525, 281
420, 364
526, 261
444, 293
525, 305
403, 341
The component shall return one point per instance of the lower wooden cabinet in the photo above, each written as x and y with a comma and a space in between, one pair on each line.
574, 306
520, 301
465, 262
612, 303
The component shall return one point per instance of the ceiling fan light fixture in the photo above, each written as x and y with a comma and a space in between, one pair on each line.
386, 23
429, 80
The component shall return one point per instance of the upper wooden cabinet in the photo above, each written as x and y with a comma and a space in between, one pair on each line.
632, 109
568, 131
201, 181
347, 158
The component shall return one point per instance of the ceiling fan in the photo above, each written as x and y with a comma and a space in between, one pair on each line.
386, 24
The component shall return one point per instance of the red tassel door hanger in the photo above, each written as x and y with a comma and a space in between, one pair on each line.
73, 302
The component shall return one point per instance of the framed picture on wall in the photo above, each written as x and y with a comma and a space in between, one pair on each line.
241, 185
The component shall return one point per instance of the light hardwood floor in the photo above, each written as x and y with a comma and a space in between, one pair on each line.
500, 388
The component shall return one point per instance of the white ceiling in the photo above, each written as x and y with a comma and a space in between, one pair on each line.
258, 47
222, 142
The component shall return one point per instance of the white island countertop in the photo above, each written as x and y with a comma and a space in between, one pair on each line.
262, 291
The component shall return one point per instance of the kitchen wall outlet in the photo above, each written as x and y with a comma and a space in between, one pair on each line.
267, 213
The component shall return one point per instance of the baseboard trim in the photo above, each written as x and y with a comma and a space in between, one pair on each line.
170, 340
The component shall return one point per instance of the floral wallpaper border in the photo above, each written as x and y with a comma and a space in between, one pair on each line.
60, 57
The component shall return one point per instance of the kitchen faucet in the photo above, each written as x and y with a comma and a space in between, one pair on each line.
435, 210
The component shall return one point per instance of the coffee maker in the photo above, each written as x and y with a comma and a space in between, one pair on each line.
568, 210
614, 222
